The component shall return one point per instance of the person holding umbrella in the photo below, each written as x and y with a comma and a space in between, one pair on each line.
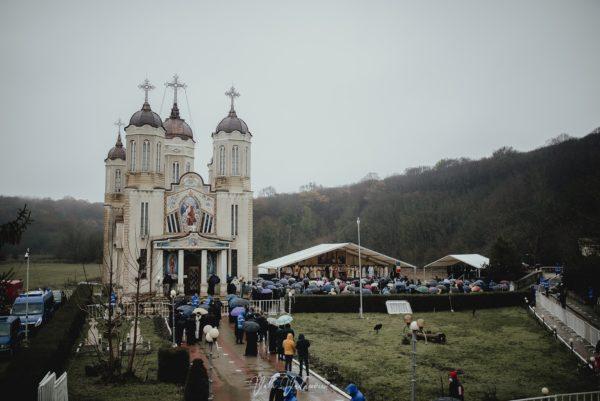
455, 388
280, 336
289, 350
251, 329
272, 335
239, 329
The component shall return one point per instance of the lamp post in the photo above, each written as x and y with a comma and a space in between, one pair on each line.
173, 294
27, 301
414, 328
211, 336
360, 310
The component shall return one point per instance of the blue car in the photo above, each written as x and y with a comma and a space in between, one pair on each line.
10, 335
33, 309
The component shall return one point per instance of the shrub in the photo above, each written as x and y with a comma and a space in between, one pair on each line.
173, 365
49, 349
418, 302
196, 384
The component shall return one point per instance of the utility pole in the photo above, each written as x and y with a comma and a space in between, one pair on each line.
360, 294
27, 301
413, 380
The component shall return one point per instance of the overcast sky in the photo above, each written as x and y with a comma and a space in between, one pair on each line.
331, 90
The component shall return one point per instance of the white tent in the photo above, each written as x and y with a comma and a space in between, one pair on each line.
351, 248
472, 259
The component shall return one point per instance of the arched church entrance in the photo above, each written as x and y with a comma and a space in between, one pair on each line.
191, 268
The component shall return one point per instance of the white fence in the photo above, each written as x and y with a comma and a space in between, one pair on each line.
268, 306
99, 311
589, 396
53, 389
576, 323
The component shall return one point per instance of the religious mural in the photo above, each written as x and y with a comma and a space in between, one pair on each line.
190, 209
170, 263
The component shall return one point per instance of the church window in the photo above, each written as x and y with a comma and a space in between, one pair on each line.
247, 161
235, 160
173, 223
222, 160
158, 157
145, 155
118, 180
188, 167
175, 172
132, 146
234, 220
144, 219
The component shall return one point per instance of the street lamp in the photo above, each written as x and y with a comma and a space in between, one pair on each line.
360, 310
212, 333
415, 326
173, 295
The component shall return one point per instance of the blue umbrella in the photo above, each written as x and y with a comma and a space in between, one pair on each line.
187, 310
266, 291
237, 311
284, 319
366, 291
239, 302
230, 297
271, 287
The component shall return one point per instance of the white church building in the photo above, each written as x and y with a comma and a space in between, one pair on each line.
163, 222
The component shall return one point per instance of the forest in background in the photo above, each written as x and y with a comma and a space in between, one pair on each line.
541, 201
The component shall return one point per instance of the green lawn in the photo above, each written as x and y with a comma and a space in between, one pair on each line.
83, 388
53, 275
502, 349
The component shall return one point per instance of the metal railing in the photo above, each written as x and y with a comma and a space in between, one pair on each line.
159, 308
588, 396
568, 317
270, 307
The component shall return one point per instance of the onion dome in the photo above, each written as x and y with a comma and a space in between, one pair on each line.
118, 151
176, 126
145, 116
232, 122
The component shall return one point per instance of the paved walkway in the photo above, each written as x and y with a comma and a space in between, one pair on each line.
240, 378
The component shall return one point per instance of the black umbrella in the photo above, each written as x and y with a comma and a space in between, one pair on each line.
251, 326
238, 302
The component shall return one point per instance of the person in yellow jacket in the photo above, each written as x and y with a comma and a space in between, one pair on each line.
289, 350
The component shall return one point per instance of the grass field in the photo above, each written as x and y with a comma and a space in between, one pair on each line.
83, 388
53, 275
501, 351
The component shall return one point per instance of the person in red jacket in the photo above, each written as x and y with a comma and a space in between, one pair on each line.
456, 388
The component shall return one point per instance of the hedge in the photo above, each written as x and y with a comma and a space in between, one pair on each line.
173, 365
418, 302
49, 349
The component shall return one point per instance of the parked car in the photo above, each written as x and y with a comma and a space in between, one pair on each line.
10, 334
33, 308
59, 298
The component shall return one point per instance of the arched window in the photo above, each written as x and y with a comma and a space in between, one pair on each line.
188, 167
222, 160
175, 172
235, 160
118, 180
146, 155
133, 155
247, 161
158, 157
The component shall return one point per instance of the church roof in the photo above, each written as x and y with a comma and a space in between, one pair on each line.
117, 151
232, 123
176, 126
145, 116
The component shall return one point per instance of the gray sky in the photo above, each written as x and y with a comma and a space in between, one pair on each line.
331, 90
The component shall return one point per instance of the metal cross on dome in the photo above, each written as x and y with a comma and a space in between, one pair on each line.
119, 124
146, 86
231, 93
175, 85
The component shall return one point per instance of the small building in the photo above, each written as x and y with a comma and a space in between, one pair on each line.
334, 261
469, 265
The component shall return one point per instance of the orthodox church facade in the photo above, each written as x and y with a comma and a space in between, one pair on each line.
165, 226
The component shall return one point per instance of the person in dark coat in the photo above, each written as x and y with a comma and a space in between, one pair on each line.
216, 306
251, 344
264, 326
179, 327
190, 330
280, 335
455, 388
213, 280
231, 289
302, 346
288, 329
272, 331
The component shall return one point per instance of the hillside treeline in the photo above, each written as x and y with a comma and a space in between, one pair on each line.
68, 229
541, 201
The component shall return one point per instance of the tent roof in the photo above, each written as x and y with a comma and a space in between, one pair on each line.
316, 250
471, 259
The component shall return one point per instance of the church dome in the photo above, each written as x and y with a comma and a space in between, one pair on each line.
176, 126
117, 151
232, 123
145, 116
